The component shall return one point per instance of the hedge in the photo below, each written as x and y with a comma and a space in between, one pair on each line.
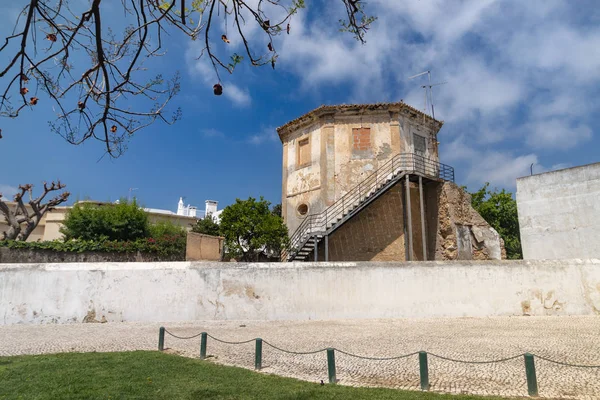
167, 245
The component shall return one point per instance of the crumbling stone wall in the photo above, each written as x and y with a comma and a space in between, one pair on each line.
463, 234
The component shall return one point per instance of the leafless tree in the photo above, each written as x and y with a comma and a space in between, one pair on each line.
21, 221
90, 73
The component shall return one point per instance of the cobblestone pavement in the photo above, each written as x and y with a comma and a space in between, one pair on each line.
574, 340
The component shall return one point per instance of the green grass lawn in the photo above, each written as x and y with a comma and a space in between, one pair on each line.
154, 375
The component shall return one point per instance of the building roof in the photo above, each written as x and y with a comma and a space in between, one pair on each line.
159, 211
311, 116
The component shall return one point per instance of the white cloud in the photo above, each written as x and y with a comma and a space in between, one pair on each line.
237, 95
500, 168
8, 191
522, 77
268, 134
556, 133
558, 166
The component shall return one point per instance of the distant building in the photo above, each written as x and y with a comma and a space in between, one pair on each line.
49, 226
211, 209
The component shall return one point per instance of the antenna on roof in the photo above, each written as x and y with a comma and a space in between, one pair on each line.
428, 91
130, 190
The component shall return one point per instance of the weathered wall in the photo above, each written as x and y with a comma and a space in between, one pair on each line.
559, 213
61, 293
302, 184
21, 256
336, 167
377, 233
201, 247
462, 234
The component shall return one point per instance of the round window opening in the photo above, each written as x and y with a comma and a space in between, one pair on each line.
302, 209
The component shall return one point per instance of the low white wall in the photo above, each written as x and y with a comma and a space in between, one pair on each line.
61, 293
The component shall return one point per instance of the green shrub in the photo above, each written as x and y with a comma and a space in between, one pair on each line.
125, 221
251, 229
164, 228
167, 246
207, 226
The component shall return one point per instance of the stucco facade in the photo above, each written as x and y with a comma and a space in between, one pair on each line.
559, 213
346, 143
184, 291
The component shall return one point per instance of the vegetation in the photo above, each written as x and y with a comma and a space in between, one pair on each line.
122, 227
157, 376
277, 210
251, 230
165, 228
23, 218
499, 209
124, 221
92, 70
207, 226
169, 246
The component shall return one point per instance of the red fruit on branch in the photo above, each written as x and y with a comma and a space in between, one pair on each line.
33, 101
113, 128
24, 91
51, 37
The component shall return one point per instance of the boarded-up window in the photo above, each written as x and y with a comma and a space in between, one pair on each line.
303, 153
420, 144
361, 138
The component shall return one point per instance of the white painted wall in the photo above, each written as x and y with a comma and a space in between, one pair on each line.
559, 213
62, 293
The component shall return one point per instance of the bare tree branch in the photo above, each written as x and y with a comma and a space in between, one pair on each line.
22, 222
90, 74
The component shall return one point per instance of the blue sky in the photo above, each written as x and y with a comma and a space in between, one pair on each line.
522, 87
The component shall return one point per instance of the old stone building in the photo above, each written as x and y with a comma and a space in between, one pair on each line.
347, 170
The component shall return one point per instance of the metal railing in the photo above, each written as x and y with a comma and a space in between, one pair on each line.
423, 365
318, 224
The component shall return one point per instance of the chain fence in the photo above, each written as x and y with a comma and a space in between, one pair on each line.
516, 375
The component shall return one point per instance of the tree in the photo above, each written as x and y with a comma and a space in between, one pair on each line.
207, 226
499, 209
251, 229
277, 210
19, 215
124, 221
90, 67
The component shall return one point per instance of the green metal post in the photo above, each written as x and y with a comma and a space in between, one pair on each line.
203, 340
424, 370
258, 354
161, 338
532, 386
331, 365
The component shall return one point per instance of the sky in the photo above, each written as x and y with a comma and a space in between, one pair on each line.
522, 87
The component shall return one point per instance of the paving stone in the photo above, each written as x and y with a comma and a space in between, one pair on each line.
567, 339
